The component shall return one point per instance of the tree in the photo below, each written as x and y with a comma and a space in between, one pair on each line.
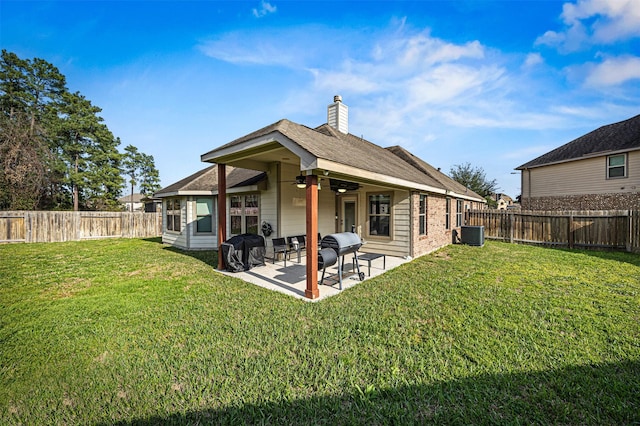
29, 91
141, 170
22, 169
150, 176
88, 153
56, 151
474, 178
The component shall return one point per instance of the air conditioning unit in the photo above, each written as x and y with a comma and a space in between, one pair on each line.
472, 235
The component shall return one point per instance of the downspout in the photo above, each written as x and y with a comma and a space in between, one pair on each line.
413, 197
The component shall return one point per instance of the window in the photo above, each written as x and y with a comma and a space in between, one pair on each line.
174, 218
379, 215
244, 213
204, 215
422, 215
617, 166
251, 213
459, 213
447, 217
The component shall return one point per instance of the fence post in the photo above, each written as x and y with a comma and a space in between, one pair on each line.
570, 231
511, 227
629, 230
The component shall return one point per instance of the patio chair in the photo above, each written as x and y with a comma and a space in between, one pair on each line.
280, 246
294, 246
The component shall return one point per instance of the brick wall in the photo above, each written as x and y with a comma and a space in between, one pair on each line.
626, 201
437, 236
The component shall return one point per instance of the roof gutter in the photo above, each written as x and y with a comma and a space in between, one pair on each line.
332, 166
584, 157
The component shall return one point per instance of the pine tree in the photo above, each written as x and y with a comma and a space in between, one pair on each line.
141, 170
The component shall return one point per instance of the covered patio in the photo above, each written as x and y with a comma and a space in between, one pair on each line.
292, 279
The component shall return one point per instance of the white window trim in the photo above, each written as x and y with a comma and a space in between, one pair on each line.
390, 215
243, 215
459, 213
625, 166
213, 216
422, 217
166, 214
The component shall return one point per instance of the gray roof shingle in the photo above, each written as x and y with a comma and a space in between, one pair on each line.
350, 150
206, 180
621, 136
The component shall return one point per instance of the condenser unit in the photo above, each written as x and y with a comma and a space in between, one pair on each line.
472, 235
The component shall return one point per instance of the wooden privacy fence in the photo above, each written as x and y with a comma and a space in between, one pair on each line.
51, 226
606, 229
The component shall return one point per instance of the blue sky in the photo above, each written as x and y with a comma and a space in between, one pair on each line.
492, 83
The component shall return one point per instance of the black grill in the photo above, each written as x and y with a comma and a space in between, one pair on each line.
342, 244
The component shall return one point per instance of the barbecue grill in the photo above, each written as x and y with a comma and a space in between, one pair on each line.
341, 244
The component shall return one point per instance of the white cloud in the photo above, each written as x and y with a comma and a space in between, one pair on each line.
265, 9
614, 71
532, 60
594, 22
251, 48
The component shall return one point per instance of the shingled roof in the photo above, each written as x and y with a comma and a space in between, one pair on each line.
205, 181
443, 180
616, 137
329, 144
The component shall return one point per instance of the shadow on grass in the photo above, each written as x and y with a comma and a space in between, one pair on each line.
153, 240
590, 394
210, 257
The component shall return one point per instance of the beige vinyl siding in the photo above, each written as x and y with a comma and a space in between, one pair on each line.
399, 245
269, 205
588, 176
176, 239
202, 241
293, 219
326, 209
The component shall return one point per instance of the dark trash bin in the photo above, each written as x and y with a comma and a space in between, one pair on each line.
243, 252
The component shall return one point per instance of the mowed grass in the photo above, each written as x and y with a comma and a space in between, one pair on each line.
132, 332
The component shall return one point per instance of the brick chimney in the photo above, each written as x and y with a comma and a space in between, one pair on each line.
338, 115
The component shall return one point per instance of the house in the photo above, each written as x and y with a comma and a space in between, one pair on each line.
503, 201
132, 202
189, 206
326, 180
597, 171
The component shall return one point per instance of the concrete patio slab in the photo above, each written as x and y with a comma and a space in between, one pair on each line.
291, 280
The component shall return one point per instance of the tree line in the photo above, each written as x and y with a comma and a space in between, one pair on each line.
56, 152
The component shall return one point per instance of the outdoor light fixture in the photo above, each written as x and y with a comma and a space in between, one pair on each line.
301, 181
342, 190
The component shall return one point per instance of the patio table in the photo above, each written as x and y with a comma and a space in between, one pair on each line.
369, 257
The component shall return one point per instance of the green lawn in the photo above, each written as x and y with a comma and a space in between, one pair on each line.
130, 331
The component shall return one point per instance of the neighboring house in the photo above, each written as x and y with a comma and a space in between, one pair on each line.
132, 203
503, 201
326, 180
190, 207
597, 171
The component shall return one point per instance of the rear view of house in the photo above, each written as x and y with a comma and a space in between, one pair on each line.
318, 181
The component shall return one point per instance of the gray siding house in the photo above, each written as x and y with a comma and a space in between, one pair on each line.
597, 171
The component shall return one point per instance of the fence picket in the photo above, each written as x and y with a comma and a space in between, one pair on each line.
606, 229
50, 226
